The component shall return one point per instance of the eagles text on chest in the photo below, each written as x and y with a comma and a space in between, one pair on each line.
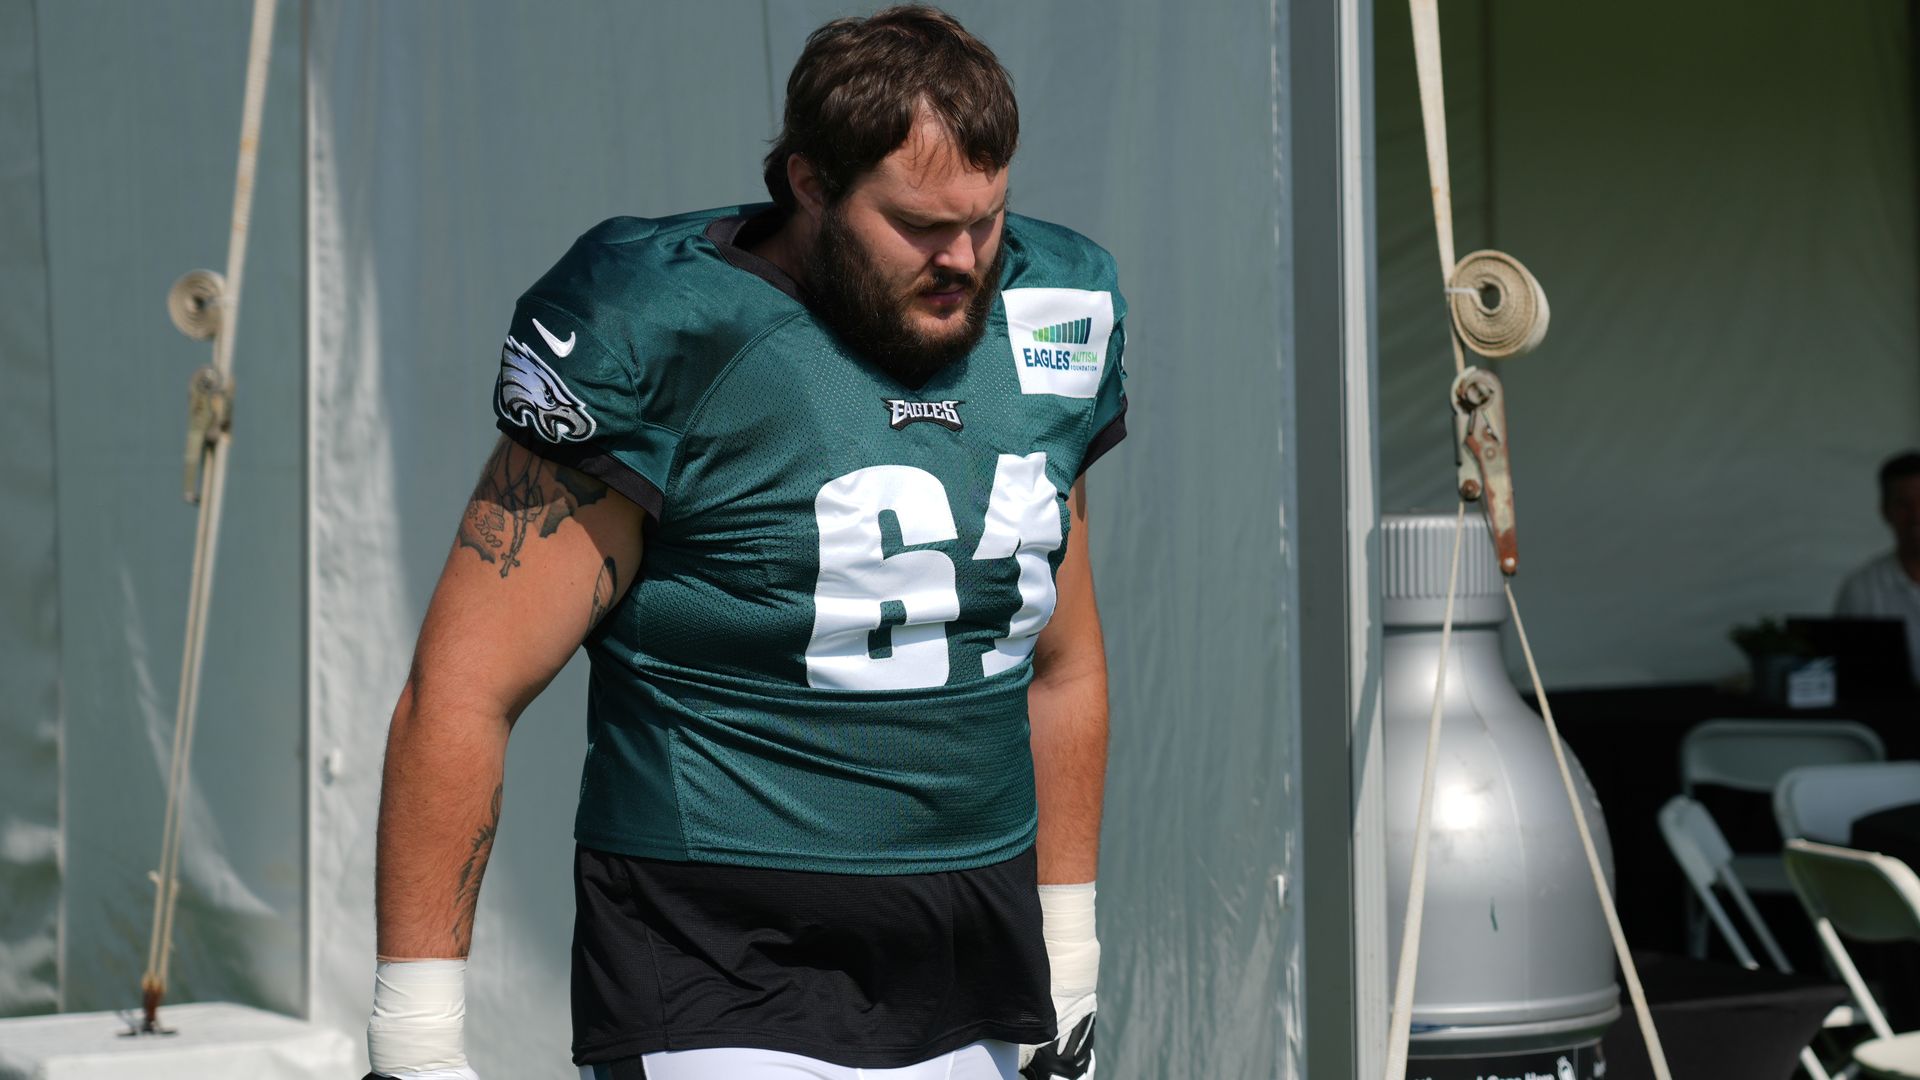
902, 412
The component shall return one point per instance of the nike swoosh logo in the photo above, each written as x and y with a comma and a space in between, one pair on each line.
560, 348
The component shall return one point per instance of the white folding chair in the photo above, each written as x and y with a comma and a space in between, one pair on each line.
1752, 756
1866, 897
1821, 802
1706, 860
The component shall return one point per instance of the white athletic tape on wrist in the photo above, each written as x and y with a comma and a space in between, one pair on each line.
1073, 954
1067, 924
419, 1016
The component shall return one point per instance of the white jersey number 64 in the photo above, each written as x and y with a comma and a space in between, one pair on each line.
858, 580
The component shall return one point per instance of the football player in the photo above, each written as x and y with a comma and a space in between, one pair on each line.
805, 479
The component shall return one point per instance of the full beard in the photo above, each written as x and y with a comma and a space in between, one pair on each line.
856, 302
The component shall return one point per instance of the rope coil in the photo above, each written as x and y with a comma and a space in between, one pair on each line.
1498, 307
197, 303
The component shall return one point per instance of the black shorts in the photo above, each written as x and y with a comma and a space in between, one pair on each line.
870, 971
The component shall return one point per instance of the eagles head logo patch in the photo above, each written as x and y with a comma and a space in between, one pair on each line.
902, 412
532, 396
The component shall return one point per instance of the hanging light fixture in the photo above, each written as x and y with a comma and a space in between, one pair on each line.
1516, 972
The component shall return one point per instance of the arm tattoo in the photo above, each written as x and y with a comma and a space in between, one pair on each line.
466, 900
521, 493
603, 587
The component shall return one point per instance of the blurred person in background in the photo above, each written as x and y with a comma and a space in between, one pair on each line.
1888, 586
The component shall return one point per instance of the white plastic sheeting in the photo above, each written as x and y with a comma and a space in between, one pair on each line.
29, 616
1719, 199
458, 149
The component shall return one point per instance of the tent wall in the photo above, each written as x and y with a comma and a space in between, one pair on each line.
140, 113
30, 615
1723, 213
456, 151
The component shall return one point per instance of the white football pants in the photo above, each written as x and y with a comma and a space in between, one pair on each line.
984, 1060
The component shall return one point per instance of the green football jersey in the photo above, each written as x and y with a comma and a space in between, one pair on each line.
822, 662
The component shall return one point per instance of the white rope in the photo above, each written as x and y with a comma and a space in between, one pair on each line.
206, 538
1632, 975
1400, 1029
1433, 117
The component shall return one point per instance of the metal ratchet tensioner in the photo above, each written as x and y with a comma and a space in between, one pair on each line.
209, 419
1480, 451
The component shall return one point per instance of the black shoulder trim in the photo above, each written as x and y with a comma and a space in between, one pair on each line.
726, 234
595, 462
1108, 438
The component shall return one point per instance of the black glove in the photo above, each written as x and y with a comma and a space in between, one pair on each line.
1069, 1057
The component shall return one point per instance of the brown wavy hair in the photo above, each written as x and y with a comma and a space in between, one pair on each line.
860, 83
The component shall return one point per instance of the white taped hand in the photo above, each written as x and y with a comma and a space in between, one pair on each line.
1073, 952
417, 1031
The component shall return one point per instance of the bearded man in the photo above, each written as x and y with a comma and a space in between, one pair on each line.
805, 479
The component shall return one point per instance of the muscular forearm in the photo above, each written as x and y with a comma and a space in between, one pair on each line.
1069, 717
439, 807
